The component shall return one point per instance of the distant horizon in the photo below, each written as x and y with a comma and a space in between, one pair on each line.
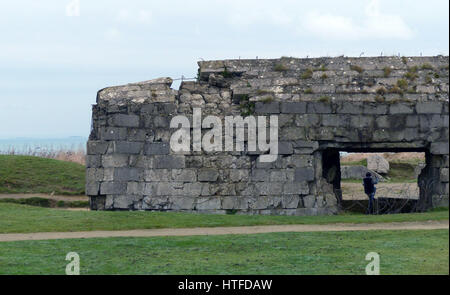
56, 137
25, 145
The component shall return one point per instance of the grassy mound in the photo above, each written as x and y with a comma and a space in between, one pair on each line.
26, 174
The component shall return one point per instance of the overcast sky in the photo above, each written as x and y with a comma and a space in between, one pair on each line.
54, 57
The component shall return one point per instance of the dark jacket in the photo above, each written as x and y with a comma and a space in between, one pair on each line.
369, 185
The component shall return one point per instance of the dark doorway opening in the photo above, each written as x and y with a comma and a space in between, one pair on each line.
405, 183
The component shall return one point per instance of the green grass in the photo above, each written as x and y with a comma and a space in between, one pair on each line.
47, 203
25, 219
401, 252
401, 172
362, 162
26, 174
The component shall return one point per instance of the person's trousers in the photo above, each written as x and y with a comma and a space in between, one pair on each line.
371, 201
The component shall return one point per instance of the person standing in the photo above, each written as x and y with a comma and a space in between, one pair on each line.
370, 189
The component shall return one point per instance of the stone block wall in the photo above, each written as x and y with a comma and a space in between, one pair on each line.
324, 105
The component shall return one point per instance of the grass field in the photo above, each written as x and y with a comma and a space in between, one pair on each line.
25, 219
47, 203
27, 174
401, 252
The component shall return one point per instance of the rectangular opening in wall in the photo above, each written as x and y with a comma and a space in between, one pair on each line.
400, 187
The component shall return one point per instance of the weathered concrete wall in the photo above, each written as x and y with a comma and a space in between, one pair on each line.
324, 105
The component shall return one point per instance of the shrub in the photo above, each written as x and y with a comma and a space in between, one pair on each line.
226, 73
307, 74
246, 106
387, 71
411, 75
356, 68
381, 91
267, 99
402, 84
427, 66
413, 69
324, 98
396, 89
280, 68
379, 98
262, 91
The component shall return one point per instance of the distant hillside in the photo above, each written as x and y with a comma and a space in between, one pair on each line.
391, 157
27, 174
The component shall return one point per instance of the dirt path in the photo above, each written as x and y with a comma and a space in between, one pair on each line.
44, 196
227, 230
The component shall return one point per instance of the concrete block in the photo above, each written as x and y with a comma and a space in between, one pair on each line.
375, 109
208, 203
135, 188
157, 148
290, 201
401, 108
111, 161
285, 148
444, 174
350, 107
260, 175
125, 202
169, 162
113, 188
96, 147
93, 161
269, 188
309, 201
113, 133
127, 174
182, 202
136, 134
122, 120
184, 175
238, 203
92, 187
439, 148
237, 175
293, 107
319, 108
157, 175
278, 176
208, 175
296, 188
127, 147
429, 107
304, 174
94, 174
267, 108
161, 122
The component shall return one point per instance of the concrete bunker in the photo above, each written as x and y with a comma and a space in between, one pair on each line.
324, 105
